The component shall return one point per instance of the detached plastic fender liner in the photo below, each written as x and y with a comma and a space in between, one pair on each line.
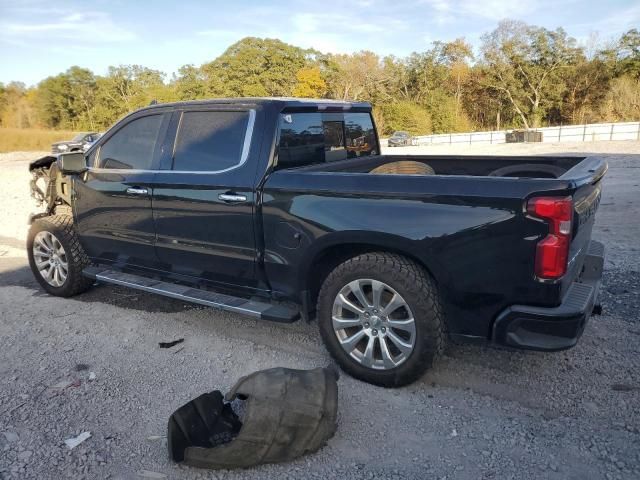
287, 413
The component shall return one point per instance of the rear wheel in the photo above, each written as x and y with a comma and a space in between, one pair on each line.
380, 317
56, 257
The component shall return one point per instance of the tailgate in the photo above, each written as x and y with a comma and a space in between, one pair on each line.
588, 176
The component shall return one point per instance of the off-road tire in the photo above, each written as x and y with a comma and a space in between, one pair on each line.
62, 227
420, 292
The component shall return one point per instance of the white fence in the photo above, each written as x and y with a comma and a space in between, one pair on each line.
570, 133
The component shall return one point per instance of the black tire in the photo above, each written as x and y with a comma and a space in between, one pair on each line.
61, 226
419, 291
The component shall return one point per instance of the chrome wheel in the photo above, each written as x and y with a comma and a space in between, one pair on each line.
373, 324
50, 259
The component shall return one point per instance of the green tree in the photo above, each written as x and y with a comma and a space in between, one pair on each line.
190, 83
126, 88
407, 116
524, 64
629, 53
255, 67
67, 100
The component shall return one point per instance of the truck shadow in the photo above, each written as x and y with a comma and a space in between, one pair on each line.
16, 272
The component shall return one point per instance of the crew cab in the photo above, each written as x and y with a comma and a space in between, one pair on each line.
285, 209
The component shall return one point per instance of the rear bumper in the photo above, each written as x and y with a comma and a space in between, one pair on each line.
555, 328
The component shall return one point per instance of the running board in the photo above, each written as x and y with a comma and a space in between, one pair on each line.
252, 308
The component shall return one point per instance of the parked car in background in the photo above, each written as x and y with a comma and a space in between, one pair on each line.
400, 139
80, 143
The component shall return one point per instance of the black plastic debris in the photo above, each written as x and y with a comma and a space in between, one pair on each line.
287, 413
170, 344
203, 422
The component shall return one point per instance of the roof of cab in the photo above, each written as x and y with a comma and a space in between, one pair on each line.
282, 102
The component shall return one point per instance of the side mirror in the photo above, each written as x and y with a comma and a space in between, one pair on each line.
73, 162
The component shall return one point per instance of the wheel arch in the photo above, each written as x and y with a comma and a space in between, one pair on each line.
333, 251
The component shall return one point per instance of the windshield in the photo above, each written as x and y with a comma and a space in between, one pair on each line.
79, 137
401, 134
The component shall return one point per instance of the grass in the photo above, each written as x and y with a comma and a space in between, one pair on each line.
30, 139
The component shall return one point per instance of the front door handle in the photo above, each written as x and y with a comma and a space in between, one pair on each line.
137, 191
232, 197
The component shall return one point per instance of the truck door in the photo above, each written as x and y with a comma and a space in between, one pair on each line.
204, 197
112, 202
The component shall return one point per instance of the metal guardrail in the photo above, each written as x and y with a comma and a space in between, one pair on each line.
569, 133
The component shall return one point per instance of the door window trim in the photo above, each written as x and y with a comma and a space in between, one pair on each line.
246, 147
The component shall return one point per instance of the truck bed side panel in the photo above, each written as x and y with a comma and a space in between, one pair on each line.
479, 247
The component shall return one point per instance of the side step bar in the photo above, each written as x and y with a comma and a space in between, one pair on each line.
262, 310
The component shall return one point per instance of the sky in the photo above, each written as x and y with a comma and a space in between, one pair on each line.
42, 38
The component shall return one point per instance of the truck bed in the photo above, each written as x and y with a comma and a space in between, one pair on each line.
467, 165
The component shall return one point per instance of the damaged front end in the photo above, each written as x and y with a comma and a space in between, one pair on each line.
287, 413
49, 186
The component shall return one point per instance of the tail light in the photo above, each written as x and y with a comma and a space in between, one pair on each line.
552, 252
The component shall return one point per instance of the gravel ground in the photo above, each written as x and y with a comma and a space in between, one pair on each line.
479, 413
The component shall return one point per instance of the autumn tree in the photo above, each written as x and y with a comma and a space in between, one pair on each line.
358, 76
310, 83
17, 106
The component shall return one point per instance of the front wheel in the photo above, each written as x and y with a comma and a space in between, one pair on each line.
56, 257
380, 317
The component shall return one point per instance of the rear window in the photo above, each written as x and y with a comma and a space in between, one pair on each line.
210, 141
308, 138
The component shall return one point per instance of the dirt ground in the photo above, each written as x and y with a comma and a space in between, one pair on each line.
479, 413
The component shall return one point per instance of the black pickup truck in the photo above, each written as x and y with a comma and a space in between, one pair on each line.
285, 209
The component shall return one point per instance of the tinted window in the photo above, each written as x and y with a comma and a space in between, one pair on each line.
301, 140
306, 139
334, 141
361, 136
132, 146
210, 141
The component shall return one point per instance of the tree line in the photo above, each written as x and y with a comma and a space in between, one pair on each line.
523, 76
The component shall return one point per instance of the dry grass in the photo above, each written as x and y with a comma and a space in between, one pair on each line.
30, 139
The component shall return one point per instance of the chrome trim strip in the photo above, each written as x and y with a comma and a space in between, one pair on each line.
246, 147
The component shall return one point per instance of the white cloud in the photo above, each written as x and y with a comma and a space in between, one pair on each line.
449, 11
86, 27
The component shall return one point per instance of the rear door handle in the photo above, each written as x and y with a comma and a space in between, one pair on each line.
232, 197
137, 191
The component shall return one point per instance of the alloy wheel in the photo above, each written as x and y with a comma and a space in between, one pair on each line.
373, 324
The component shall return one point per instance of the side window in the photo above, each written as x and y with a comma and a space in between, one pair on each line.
301, 140
132, 146
361, 136
305, 138
210, 141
